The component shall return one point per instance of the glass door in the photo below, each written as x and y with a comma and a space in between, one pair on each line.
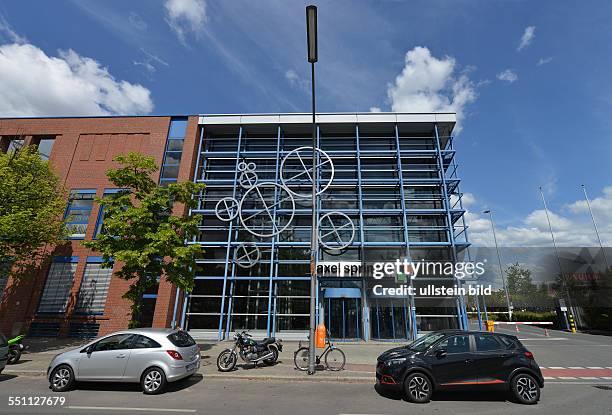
344, 318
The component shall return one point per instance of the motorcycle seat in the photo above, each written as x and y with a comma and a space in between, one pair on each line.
266, 341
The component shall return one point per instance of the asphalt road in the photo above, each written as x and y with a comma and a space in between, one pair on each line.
206, 396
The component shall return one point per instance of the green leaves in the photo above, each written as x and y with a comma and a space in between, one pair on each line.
32, 203
140, 231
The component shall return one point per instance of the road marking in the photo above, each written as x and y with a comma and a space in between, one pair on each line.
608, 367
577, 383
566, 377
549, 378
555, 367
607, 377
594, 367
114, 408
544, 338
576, 367
588, 377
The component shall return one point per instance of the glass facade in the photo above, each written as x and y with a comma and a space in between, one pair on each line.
396, 183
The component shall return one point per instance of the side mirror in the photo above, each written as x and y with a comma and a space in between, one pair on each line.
89, 349
441, 353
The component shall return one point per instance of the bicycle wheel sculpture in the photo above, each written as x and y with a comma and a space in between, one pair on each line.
257, 209
336, 231
296, 171
247, 255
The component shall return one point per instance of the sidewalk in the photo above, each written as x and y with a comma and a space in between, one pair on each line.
359, 368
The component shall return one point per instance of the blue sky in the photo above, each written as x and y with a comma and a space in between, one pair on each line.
532, 115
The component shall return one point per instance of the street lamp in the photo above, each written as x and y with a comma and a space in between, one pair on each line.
603, 251
501, 270
311, 30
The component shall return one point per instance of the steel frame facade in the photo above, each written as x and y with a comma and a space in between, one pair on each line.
377, 164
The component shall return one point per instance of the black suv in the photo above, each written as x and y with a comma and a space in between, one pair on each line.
454, 358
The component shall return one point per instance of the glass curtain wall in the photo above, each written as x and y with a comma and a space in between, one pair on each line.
386, 180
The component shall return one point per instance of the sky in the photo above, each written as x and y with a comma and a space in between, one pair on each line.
529, 81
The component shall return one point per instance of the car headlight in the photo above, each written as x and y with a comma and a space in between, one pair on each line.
395, 362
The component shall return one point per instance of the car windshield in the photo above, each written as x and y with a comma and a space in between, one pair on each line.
181, 339
424, 342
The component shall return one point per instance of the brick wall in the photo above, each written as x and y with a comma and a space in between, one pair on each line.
82, 153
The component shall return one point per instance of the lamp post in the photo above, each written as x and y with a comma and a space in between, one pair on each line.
311, 30
603, 251
501, 270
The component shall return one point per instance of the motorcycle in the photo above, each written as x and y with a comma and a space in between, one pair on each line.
251, 351
15, 349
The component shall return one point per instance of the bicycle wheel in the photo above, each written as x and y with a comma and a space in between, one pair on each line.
300, 358
335, 359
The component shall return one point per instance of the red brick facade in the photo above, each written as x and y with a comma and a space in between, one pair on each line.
83, 151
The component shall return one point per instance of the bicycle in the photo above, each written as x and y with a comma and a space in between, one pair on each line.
334, 357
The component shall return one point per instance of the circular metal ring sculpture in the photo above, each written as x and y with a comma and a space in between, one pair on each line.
242, 166
226, 209
296, 170
336, 231
260, 214
248, 179
247, 255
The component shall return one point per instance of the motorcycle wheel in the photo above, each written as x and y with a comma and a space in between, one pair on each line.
274, 357
13, 356
226, 361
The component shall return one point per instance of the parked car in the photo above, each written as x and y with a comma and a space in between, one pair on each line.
455, 359
4, 351
152, 357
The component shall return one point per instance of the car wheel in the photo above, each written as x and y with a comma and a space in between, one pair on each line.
418, 388
153, 381
61, 379
525, 389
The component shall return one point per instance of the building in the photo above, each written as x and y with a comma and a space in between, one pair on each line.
388, 182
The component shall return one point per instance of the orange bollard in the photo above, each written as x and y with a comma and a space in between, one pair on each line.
546, 332
320, 336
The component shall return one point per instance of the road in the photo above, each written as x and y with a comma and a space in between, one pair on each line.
204, 396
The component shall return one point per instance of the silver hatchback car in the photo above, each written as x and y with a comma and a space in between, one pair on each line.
152, 357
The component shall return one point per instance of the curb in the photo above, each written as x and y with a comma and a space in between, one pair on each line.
323, 378
344, 379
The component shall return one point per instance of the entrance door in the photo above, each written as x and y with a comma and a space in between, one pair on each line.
344, 317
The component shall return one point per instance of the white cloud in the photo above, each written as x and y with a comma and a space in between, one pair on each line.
574, 229
375, 109
507, 75
296, 80
7, 32
35, 84
544, 61
186, 16
429, 84
527, 38
150, 61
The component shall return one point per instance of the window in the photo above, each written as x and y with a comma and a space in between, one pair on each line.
486, 343
44, 144
79, 208
174, 150
455, 344
115, 342
58, 285
181, 339
94, 289
3, 281
101, 212
143, 342
15, 144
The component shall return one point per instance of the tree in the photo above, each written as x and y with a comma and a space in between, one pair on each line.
32, 203
140, 232
523, 292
